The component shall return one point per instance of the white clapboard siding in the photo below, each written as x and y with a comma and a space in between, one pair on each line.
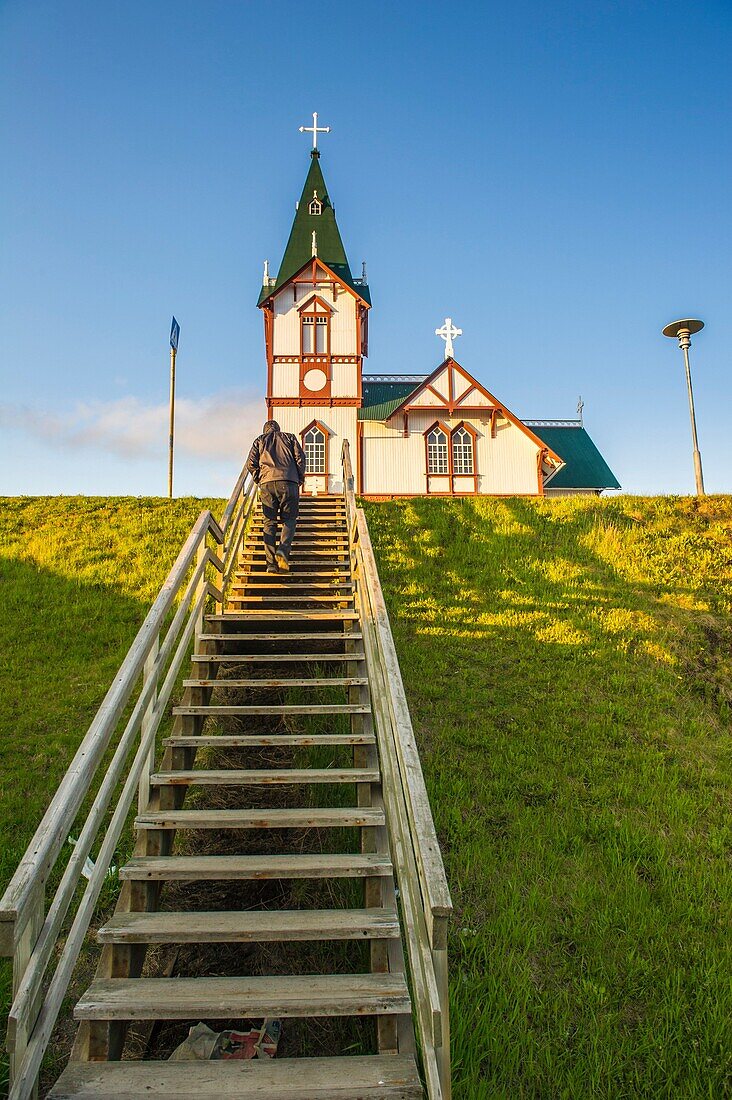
285, 379
344, 378
343, 326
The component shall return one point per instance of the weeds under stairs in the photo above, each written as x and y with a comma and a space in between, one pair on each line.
264, 874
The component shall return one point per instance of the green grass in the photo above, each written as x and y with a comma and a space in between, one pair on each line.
568, 667
77, 577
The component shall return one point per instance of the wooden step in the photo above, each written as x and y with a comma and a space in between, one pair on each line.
313, 525
272, 658
270, 925
287, 996
322, 569
275, 584
248, 740
305, 533
240, 868
370, 1077
300, 599
282, 585
299, 555
275, 818
325, 681
246, 616
252, 777
222, 710
300, 636
290, 584
308, 535
338, 569
301, 546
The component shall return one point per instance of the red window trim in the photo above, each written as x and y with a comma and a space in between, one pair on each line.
451, 475
474, 436
326, 436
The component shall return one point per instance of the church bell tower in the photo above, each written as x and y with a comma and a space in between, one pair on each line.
316, 333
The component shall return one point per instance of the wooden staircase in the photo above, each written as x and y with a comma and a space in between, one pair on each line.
270, 776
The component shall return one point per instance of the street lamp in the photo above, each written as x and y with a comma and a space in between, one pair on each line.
683, 331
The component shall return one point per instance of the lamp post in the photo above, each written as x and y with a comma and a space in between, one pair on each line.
683, 330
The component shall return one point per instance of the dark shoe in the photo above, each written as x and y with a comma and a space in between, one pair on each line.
271, 569
282, 562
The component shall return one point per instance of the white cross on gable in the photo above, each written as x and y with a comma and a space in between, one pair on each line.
315, 129
448, 332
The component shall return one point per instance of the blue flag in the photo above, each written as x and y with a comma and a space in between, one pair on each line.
174, 334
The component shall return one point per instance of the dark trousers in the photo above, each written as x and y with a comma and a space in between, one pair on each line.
280, 503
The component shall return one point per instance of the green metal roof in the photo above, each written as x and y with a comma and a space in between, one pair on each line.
299, 247
585, 467
380, 398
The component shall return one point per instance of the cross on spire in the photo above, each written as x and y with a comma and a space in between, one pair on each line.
315, 130
448, 332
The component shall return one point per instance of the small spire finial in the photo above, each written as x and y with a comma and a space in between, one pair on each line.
315, 130
580, 408
315, 243
265, 277
363, 273
448, 332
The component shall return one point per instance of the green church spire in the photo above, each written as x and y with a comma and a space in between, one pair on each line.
314, 214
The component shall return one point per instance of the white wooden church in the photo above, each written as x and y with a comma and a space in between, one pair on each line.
438, 433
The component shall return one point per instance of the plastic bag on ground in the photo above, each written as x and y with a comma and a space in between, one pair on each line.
203, 1044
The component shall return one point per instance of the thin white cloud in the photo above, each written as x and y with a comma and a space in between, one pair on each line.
220, 426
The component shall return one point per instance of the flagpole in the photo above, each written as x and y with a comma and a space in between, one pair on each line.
175, 333
172, 422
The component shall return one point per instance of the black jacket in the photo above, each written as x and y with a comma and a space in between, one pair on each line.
277, 456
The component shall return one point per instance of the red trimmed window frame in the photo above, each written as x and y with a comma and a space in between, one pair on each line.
308, 309
326, 440
451, 475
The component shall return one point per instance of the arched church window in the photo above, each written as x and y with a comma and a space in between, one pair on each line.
316, 206
463, 461
437, 451
313, 444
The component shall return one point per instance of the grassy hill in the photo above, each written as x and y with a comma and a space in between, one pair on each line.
568, 666
569, 670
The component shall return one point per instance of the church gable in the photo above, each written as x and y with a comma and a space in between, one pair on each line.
453, 390
449, 387
313, 273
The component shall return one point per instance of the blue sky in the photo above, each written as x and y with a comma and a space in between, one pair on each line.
556, 178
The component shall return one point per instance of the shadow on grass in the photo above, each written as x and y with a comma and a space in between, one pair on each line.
61, 643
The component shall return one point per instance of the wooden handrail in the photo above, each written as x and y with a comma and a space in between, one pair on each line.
43, 1026
425, 895
349, 488
236, 493
50, 836
433, 879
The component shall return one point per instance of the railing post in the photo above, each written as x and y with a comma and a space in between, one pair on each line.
222, 551
439, 960
149, 672
19, 1035
202, 551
